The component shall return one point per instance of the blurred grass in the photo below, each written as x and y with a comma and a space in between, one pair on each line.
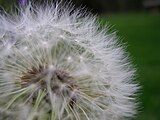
141, 31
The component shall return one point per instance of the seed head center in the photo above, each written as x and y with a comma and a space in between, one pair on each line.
60, 81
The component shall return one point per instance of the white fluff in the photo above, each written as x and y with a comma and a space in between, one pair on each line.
99, 85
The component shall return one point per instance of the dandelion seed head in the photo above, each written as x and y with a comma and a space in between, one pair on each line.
56, 63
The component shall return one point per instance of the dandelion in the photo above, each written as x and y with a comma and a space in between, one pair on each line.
56, 64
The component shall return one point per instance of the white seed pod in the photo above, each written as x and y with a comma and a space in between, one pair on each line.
55, 63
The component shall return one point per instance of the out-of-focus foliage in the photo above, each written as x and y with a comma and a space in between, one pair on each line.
101, 6
97, 6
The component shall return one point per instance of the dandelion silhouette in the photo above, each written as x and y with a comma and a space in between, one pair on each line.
56, 64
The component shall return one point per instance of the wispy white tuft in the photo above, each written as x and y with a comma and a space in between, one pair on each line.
56, 64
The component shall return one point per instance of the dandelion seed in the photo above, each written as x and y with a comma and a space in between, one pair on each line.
81, 58
25, 48
64, 69
69, 59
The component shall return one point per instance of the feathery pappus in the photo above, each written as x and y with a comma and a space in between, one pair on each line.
56, 64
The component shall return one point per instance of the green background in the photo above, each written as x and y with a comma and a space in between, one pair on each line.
141, 32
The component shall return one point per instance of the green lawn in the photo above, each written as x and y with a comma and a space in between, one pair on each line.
141, 32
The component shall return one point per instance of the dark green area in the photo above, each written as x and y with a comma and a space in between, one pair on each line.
141, 32
7, 5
